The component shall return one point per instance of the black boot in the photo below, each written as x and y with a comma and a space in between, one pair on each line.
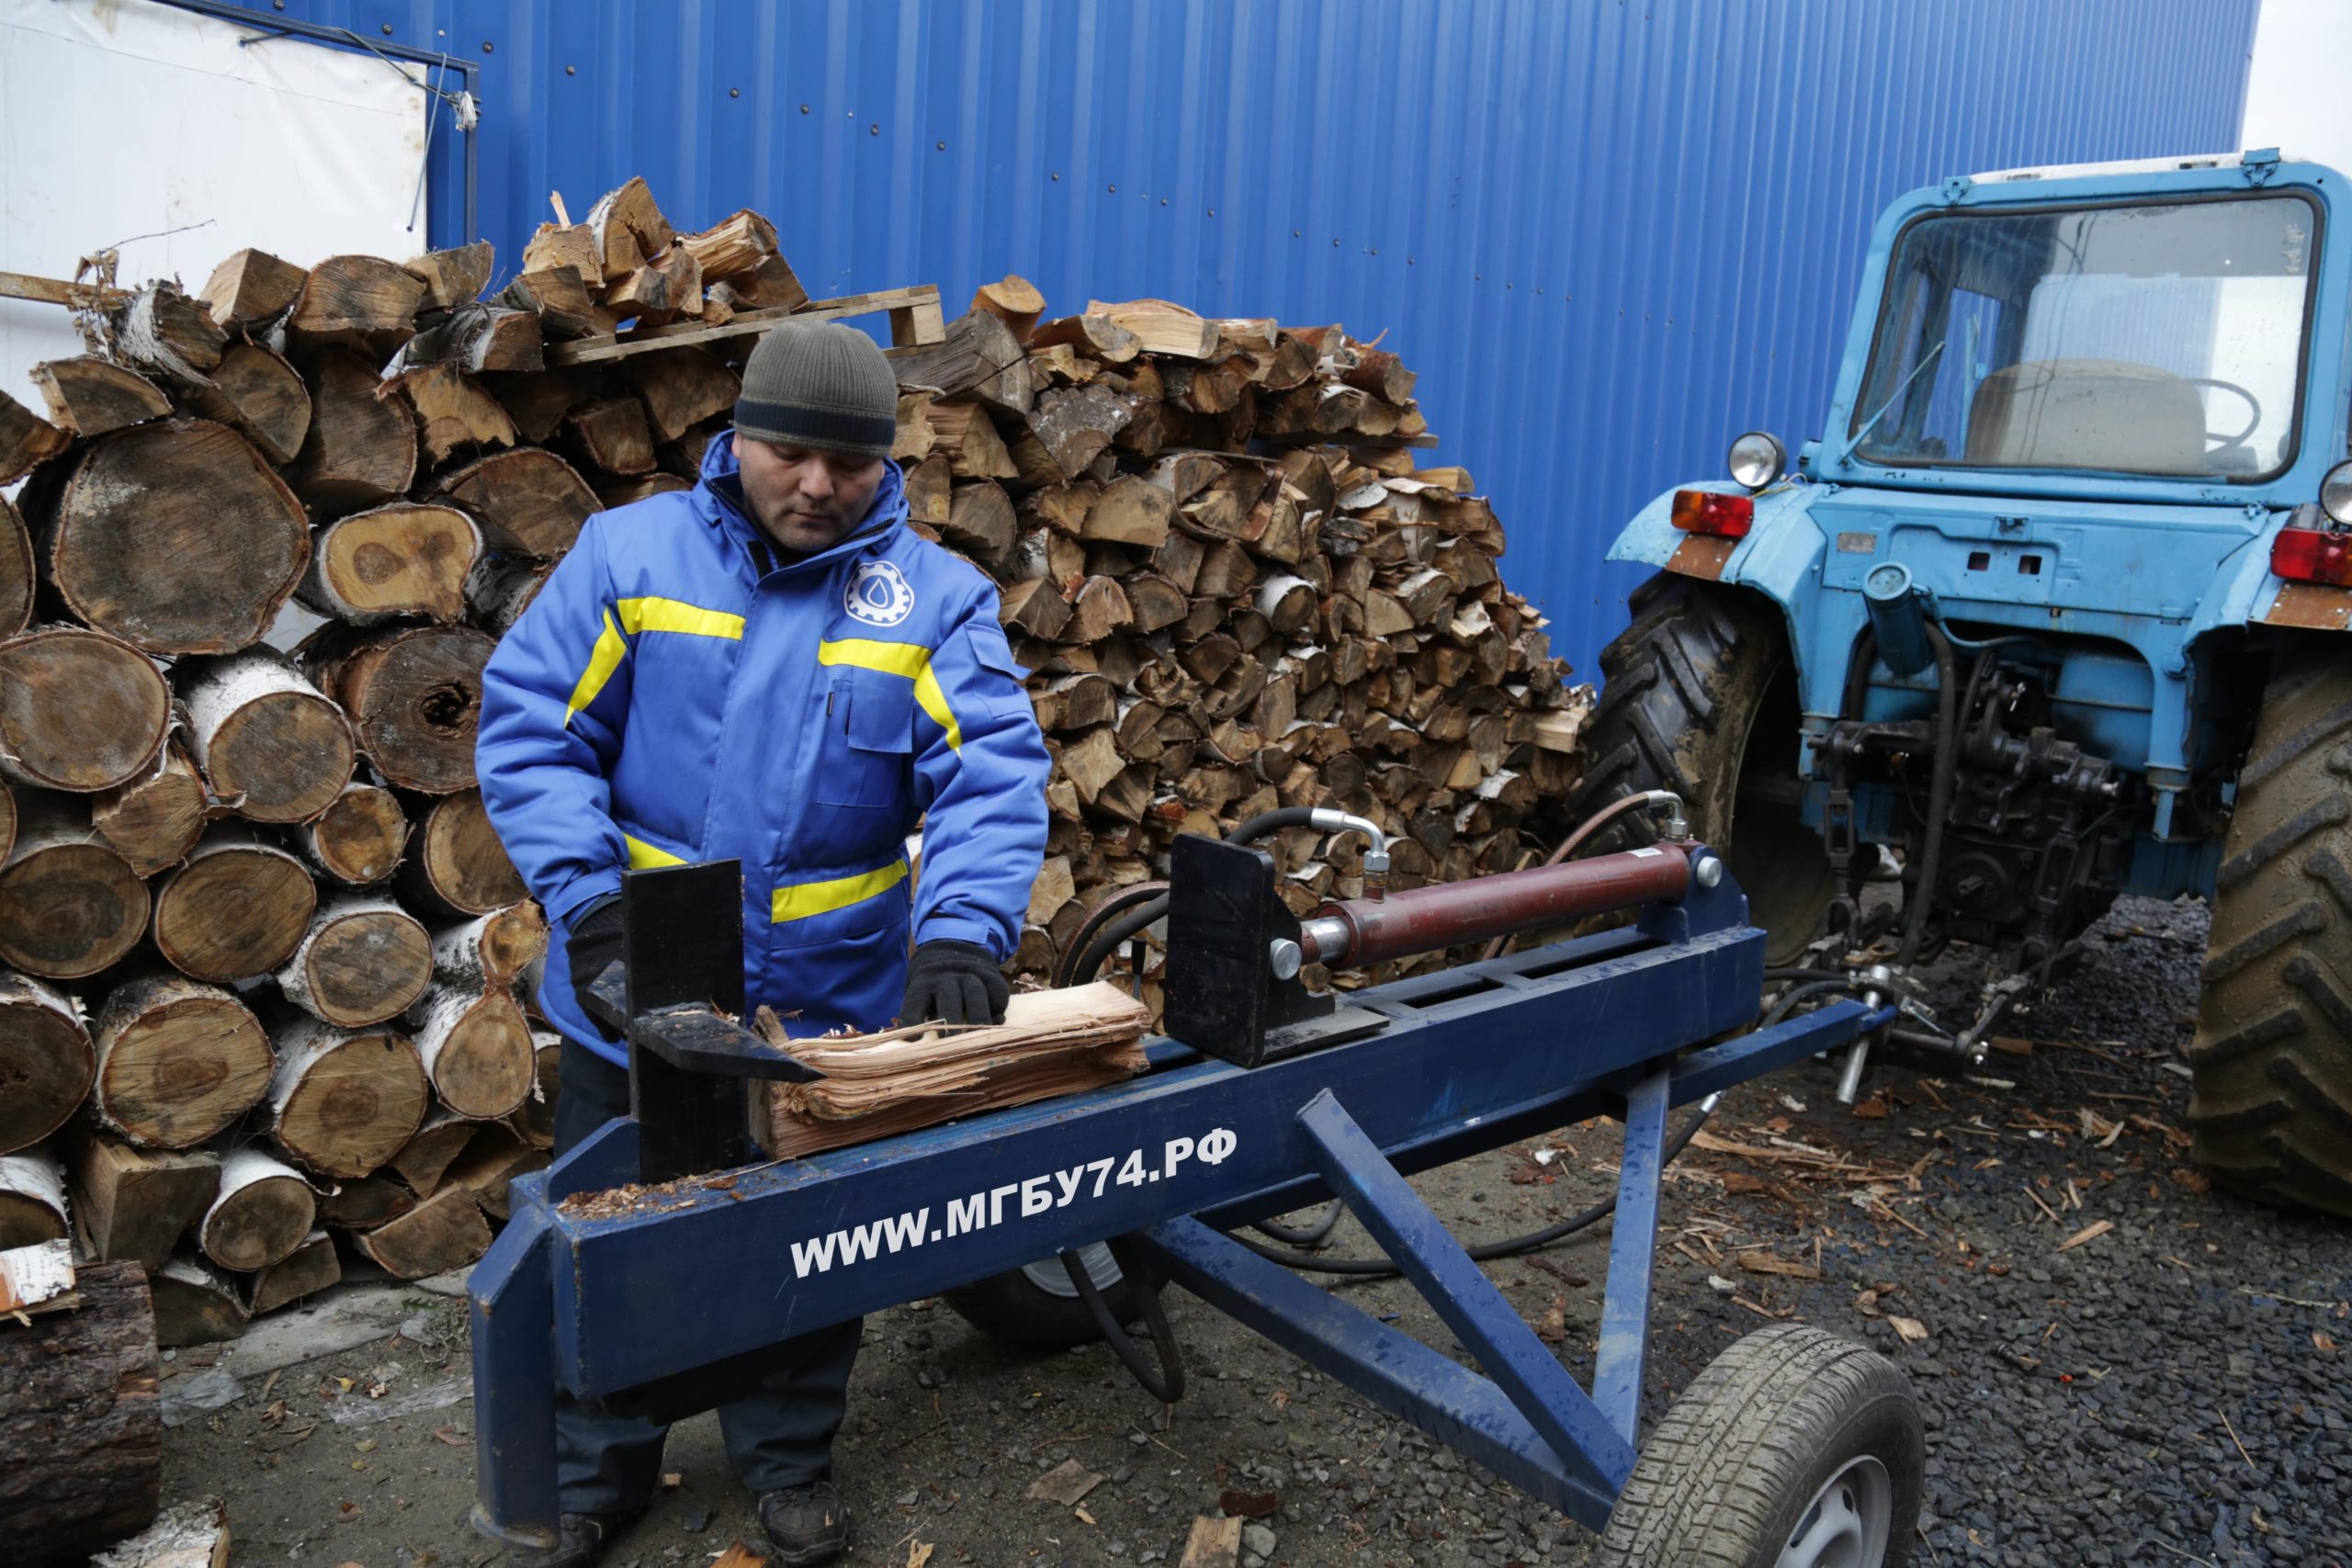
805, 1524
580, 1542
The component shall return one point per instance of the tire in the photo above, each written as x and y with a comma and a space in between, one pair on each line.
1739, 1473
1034, 1308
1699, 696
2271, 1105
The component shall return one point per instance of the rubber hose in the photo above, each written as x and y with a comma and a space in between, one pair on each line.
1509, 1246
1302, 1235
1080, 962
1782, 1009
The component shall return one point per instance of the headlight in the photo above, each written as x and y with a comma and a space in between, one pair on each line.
1757, 459
2335, 494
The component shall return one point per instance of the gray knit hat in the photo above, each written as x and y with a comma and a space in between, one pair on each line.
822, 386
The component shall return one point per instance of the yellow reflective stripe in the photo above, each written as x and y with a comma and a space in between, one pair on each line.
677, 616
603, 659
642, 854
807, 899
910, 660
644, 615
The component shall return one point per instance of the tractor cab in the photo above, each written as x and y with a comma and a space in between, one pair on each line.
2030, 620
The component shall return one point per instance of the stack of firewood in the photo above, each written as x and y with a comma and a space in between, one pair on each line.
263, 964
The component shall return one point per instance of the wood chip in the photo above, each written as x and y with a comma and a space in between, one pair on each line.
1765, 1263
1215, 1542
1911, 1330
1065, 1483
2091, 1232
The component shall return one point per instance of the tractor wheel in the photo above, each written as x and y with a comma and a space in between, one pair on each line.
1699, 696
2272, 1107
1034, 1307
1794, 1449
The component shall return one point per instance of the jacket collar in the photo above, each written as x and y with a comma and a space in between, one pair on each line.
718, 500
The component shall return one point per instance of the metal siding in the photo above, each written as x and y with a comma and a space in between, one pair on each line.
1609, 233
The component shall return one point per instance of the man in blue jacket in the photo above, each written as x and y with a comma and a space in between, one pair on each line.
771, 668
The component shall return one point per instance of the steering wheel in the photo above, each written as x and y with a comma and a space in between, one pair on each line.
2226, 443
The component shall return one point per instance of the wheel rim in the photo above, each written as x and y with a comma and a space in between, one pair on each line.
1847, 1523
1048, 1275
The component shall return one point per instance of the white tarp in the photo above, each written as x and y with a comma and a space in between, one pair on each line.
121, 118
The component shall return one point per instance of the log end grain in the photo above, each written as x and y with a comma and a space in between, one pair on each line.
69, 909
351, 1107
359, 839
79, 710
234, 912
179, 1062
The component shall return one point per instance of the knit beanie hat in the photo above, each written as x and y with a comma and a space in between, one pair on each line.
822, 386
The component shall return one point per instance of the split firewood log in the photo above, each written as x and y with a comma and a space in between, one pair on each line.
27, 440
423, 1160
359, 839
154, 819
361, 449
32, 1200
177, 1062
414, 694
625, 228
159, 328
456, 865
307, 1269
454, 276
88, 396
174, 535
444, 1232
500, 588
79, 710
236, 908
195, 1303
133, 1204
249, 288
261, 1214
271, 746
258, 395
362, 961
343, 1101
454, 413
400, 560
526, 502
770, 286
46, 1059
17, 576
70, 905
357, 302
491, 951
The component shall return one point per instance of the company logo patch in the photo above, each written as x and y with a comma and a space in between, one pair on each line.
879, 594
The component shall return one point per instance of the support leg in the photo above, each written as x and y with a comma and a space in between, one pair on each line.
513, 1357
1633, 1248
1520, 1364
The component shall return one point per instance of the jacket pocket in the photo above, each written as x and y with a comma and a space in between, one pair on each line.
869, 741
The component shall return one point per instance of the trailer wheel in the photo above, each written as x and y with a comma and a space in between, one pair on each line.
1795, 1448
1033, 1307
1699, 696
2271, 1107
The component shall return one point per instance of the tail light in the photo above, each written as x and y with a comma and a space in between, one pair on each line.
2298, 555
1704, 512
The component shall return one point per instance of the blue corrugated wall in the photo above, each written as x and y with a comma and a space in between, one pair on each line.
1609, 235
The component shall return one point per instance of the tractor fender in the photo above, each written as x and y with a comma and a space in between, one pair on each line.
1779, 559
2249, 594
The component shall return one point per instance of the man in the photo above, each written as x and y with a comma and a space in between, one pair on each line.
771, 668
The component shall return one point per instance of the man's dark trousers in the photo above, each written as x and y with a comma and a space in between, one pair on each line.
781, 1435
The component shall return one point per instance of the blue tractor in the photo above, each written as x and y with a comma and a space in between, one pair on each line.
2057, 608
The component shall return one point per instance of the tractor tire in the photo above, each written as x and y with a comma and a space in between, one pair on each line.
2271, 1107
1699, 696
1794, 1449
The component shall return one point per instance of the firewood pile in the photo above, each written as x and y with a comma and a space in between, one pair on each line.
265, 971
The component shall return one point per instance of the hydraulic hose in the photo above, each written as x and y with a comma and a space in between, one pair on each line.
1946, 765
1509, 1246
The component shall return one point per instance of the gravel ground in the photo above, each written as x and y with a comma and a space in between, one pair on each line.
2170, 1389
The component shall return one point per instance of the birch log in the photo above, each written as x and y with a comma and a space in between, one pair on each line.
17, 573
261, 1214
476, 1046
46, 1060
32, 1200
237, 909
177, 1062
195, 1303
415, 694
422, 1161
398, 559
456, 864
444, 1232
176, 537
271, 745
156, 818
307, 1269
79, 710
343, 1101
259, 396
359, 839
363, 960
491, 949
69, 904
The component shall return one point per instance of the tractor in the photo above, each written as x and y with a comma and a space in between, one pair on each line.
2057, 608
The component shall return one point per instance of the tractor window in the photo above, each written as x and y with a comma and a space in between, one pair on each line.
2161, 339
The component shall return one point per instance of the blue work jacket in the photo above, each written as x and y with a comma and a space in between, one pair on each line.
673, 694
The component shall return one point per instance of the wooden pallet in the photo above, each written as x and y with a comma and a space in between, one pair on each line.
915, 320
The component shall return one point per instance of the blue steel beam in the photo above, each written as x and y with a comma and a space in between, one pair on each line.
515, 1383
1470, 1305
1465, 1412
1632, 1247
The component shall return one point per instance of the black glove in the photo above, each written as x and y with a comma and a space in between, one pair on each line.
953, 982
593, 946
